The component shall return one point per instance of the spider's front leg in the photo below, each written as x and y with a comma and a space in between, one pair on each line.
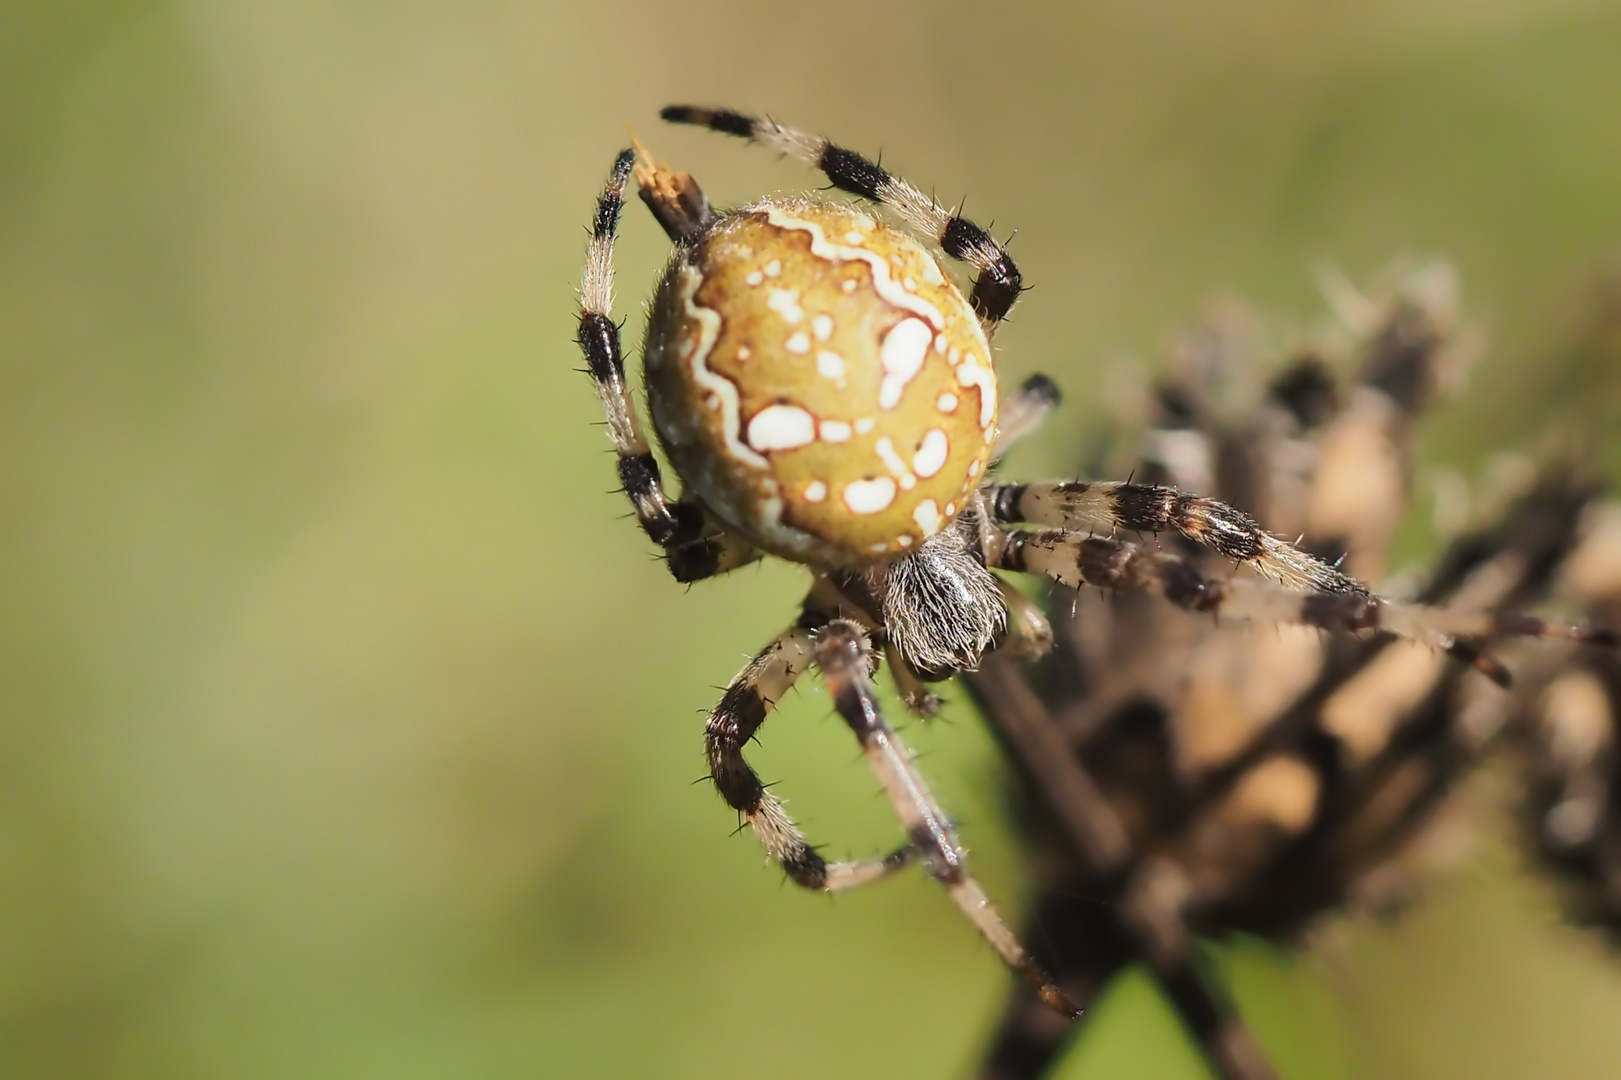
1113, 506
1025, 410
997, 281
844, 655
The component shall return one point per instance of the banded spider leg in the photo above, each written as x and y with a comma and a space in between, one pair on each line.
840, 647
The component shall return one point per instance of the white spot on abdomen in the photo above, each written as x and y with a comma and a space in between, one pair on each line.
781, 427
799, 343
892, 461
815, 491
927, 516
822, 326
902, 353
931, 456
835, 431
869, 496
830, 365
785, 302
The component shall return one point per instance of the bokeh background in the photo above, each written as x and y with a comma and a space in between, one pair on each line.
348, 731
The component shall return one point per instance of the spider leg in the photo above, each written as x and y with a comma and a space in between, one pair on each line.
668, 523
1029, 632
693, 547
1025, 411
1121, 506
1076, 559
997, 283
844, 655
920, 701
1086, 945
714, 553
741, 711
675, 198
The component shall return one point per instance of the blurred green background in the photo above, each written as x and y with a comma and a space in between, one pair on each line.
349, 731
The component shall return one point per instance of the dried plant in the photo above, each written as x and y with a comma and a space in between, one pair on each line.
1182, 780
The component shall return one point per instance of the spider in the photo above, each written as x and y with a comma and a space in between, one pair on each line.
826, 394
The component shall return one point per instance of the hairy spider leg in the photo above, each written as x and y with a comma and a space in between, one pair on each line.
750, 698
1115, 506
997, 283
1076, 559
844, 654
693, 548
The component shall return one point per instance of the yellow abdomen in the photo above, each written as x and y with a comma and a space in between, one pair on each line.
819, 383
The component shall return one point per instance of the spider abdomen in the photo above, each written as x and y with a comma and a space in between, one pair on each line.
818, 382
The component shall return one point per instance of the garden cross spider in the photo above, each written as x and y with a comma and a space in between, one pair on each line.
827, 395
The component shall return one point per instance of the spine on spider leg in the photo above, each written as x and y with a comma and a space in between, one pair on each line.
598, 337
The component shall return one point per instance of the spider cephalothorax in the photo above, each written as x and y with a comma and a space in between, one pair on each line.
826, 393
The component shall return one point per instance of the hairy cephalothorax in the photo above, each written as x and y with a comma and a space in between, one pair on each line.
827, 394
941, 606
